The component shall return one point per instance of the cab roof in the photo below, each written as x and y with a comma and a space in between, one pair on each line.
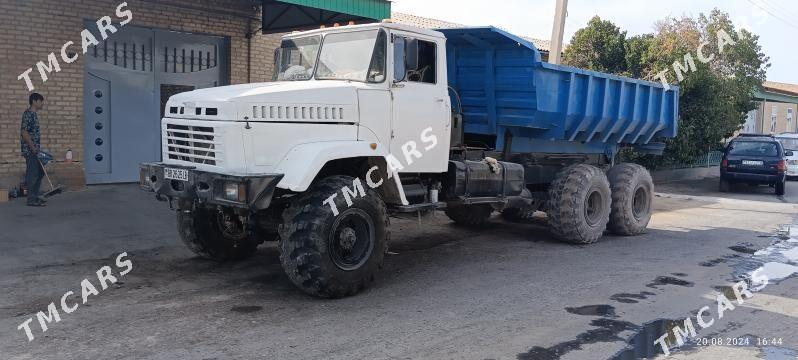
373, 26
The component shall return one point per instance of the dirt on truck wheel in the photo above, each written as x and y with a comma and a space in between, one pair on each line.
215, 235
579, 204
329, 253
632, 199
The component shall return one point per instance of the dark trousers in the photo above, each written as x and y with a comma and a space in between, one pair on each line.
33, 177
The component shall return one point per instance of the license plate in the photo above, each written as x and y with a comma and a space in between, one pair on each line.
175, 174
753, 162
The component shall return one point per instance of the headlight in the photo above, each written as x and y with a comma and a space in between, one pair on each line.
235, 191
792, 162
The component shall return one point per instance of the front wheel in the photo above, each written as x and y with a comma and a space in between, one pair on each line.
632, 199
333, 252
579, 204
216, 234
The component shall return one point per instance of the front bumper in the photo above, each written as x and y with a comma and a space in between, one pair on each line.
207, 187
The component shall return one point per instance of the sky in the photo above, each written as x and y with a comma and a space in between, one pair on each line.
770, 19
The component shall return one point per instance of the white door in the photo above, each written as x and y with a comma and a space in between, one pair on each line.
421, 113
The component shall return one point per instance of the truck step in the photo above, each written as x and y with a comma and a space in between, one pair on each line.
419, 207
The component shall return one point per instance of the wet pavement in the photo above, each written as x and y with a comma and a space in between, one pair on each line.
508, 291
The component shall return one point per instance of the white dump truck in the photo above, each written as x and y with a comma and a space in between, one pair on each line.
365, 122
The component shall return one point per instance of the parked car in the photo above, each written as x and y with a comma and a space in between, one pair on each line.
789, 141
755, 160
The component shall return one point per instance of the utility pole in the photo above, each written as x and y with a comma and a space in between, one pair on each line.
557, 31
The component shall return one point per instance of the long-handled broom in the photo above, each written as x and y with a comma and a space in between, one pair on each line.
53, 189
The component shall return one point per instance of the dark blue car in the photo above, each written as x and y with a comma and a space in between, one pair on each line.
755, 160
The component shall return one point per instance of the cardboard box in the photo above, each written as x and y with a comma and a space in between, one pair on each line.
3, 195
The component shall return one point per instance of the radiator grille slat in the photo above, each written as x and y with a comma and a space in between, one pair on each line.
195, 144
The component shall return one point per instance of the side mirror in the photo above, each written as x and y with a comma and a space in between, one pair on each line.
411, 54
399, 69
789, 153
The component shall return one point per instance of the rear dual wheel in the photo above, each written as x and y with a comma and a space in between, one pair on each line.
584, 202
578, 206
632, 199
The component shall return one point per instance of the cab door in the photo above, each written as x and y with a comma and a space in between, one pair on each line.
421, 109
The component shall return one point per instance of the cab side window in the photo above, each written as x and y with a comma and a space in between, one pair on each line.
409, 50
426, 72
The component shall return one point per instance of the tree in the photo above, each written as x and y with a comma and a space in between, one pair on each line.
637, 55
714, 95
599, 46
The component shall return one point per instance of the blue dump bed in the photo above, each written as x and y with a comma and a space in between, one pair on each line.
539, 107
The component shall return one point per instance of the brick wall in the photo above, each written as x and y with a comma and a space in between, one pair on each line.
31, 29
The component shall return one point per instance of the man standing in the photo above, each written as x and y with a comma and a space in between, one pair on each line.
31, 145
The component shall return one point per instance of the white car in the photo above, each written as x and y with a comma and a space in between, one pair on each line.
790, 142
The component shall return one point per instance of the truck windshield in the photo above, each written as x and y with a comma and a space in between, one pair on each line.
356, 56
296, 58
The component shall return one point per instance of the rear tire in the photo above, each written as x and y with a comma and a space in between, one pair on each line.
724, 186
469, 215
780, 187
579, 204
329, 255
632, 199
202, 233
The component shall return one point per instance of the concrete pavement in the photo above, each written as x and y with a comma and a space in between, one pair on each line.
508, 291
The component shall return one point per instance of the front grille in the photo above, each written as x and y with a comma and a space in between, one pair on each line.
195, 144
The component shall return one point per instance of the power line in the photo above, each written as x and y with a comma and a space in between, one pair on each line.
779, 8
772, 14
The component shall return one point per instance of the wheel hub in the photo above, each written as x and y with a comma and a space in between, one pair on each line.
351, 240
347, 238
640, 203
593, 207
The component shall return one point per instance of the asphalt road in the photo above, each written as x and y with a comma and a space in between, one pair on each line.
508, 291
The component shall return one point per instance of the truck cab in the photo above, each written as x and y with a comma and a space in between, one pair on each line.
338, 93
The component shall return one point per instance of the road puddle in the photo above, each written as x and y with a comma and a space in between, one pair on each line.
606, 330
641, 345
668, 280
631, 298
778, 261
593, 310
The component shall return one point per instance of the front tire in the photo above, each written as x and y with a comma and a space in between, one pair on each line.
632, 199
780, 187
333, 255
215, 235
579, 204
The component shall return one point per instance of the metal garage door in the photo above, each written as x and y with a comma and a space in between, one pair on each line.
127, 79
